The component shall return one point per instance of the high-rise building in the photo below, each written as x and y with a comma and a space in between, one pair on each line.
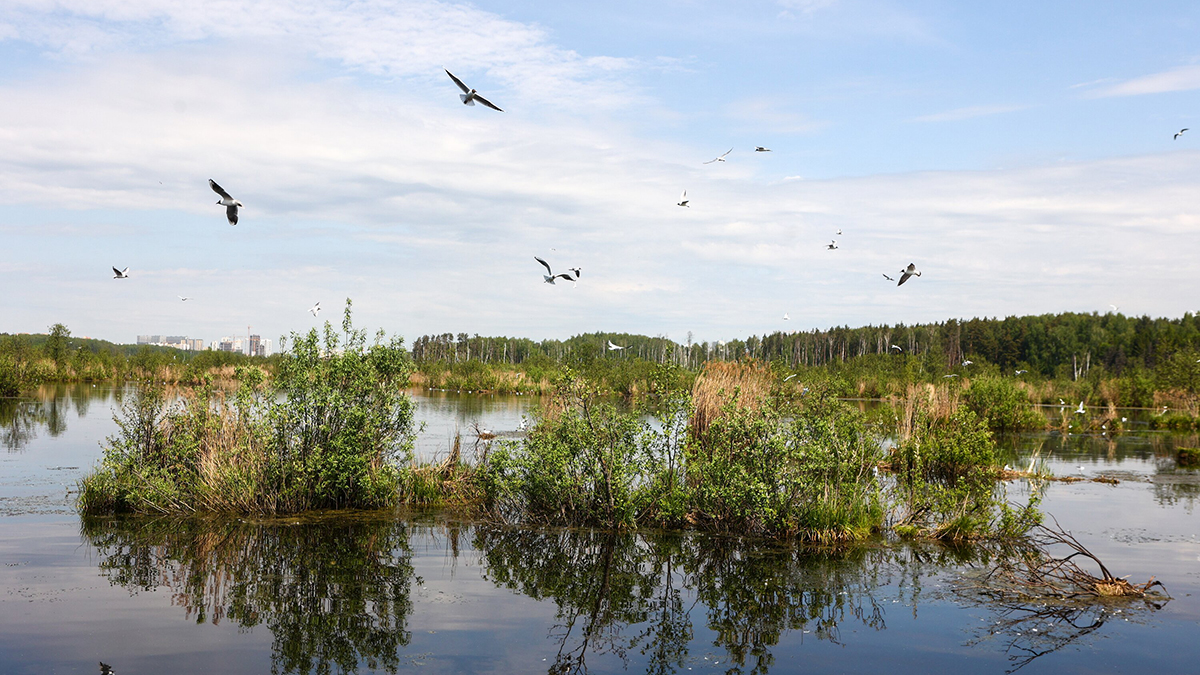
255, 344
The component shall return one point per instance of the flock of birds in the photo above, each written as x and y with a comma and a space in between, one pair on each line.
469, 97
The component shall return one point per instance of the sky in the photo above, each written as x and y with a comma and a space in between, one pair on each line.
1021, 154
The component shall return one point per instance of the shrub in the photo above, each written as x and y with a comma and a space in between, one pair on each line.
1002, 405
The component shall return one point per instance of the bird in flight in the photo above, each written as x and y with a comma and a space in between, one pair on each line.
611, 346
1022, 372
968, 362
315, 308
106, 669
786, 317
899, 349
183, 298
908, 272
832, 246
1080, 410
121, 274
231, 205
946, 377
1180, 133
721, 158
789, 377
1115, 309
469, 95
576, 270
550, 276
683, 200
888, 278
759, 148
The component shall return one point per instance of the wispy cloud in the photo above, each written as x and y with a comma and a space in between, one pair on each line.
1184, 78
969, 112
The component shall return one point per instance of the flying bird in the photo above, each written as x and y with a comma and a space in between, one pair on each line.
611, 346
759, 148
1115, 309
550, 276
946, 377
183, 298
315, 308
121, 274
231, 205
1022, 372
899, 349
786, 317
789, 377
106, 669
683, 200
469, 95
968, 362
832, 246
721, 158
1179, 134
1080, 410
908, 272
576, 270
888, 278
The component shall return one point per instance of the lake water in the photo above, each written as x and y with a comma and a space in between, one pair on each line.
427, 592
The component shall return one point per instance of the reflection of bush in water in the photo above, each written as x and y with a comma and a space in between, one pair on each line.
21, 420
333, 593
753, 592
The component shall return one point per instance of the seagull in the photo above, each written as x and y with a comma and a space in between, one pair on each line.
121, 274
1115, 308
1080, 410
968, 362
183, 298
785, 316
946, 377
789, 377
683, 200
839, 232
759, 148
832, 246
550, 276
231, 205
469, 96
315, 308
907, 272
897, 348
1022, 372
106, 669
611, 346
721, 158
1179, 134
888, 278
575, 270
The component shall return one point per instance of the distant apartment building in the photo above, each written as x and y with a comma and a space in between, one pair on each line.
176, 341
252, 345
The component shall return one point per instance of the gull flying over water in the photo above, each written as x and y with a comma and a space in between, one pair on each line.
315, 308
1180, 133
1080, 410
614, 347
683, 200
908, 272
231, 205
469, 95
550, 276
720, 158
121, 274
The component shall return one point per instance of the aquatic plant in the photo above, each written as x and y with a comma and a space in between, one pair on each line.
328, 431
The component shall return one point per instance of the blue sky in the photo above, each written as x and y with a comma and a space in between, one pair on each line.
1021, 154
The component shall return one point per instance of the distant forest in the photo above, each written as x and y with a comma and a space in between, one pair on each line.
1049, 345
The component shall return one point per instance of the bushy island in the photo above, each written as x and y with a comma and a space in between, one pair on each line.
734, 449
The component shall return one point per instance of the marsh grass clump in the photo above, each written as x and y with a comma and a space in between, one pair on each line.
328, 431
1188, 456
747, 384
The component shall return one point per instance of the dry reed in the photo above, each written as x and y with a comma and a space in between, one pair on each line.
720, 382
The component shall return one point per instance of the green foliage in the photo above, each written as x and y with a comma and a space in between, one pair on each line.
327, 432
1002, 405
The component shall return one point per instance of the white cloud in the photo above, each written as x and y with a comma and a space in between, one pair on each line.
1185, 78
969, 112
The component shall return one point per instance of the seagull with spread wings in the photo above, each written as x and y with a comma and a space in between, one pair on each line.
1180, 133
469, 95
614, 347
683, 200
759, 148
121, 274
907, 272
231, 205
832, 246
888, 278
550, 276
720, 158
315, 308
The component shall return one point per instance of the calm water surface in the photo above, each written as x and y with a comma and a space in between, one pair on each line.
424, 592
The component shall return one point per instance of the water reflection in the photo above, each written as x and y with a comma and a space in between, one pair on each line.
336, 592
22, 419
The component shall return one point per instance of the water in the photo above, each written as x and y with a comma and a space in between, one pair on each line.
421, 591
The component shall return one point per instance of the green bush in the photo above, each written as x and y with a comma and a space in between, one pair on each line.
1002, 405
